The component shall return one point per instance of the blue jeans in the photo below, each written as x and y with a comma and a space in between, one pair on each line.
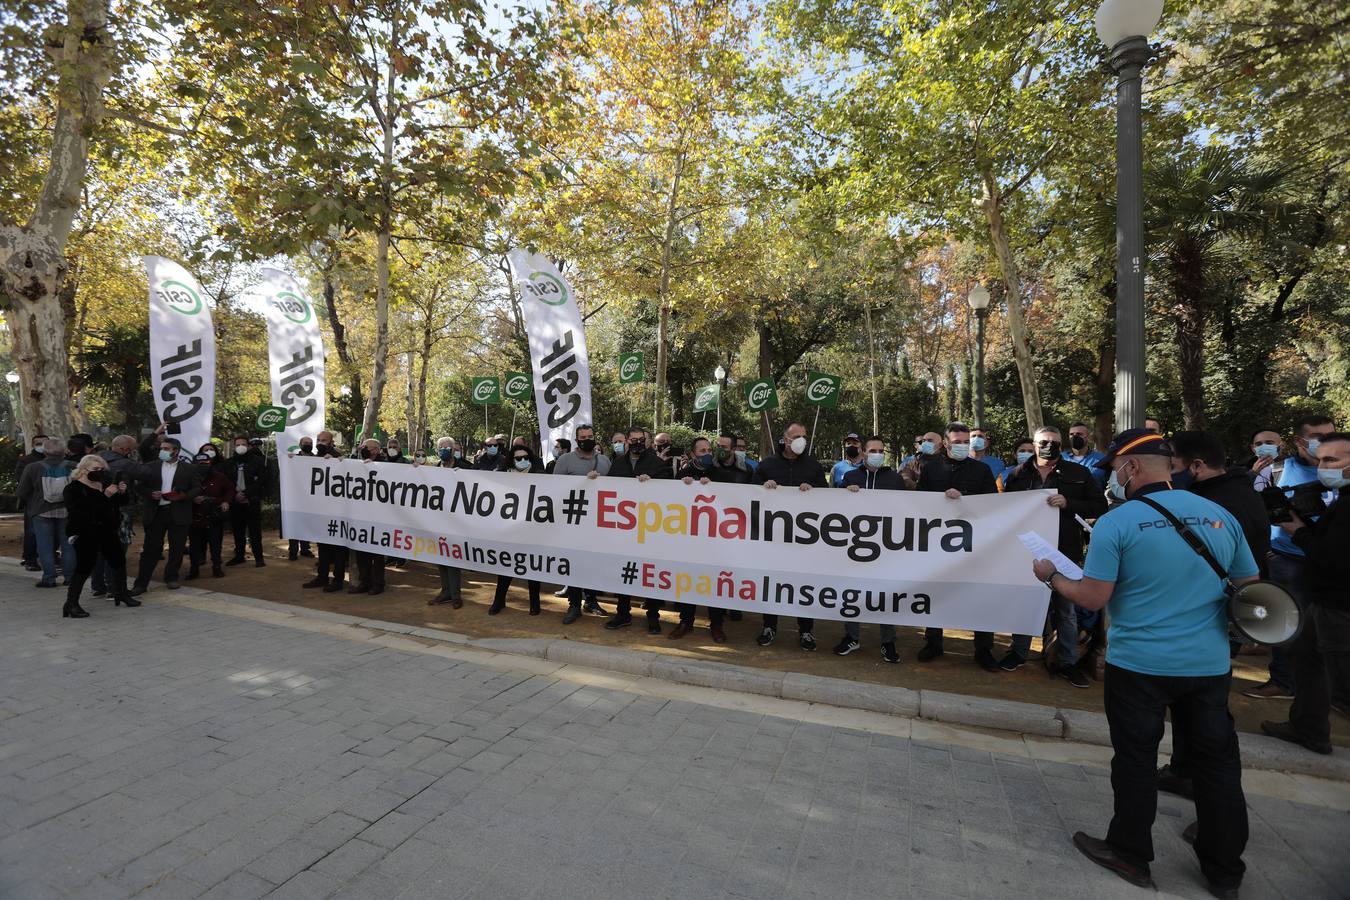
51, 535
1064, 616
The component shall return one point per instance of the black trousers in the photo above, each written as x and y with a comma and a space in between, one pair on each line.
333, 559
716, 614
984, 640
246, 521
1321, 669
296, 547
157, 528
208, 537
1135, 707
625, 606
29, 539
803, 625
369, 569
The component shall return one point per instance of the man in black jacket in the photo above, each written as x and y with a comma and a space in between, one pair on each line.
640, 462
872, 474
1322, 650
332, 565
169, 484
791, 466
701, 470
727, 468
494, 456
1199, 461
956, 473
1077, 494
30, 553
301, 548
248, 470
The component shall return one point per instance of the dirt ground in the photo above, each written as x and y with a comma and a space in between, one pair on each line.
409, 588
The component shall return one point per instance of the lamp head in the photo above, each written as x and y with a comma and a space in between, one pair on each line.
12, 377
1120, 19
719, 373
978, 298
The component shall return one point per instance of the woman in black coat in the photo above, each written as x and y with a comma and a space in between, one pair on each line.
524, 462
94, 515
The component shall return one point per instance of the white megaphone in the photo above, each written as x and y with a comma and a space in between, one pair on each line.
1262, 612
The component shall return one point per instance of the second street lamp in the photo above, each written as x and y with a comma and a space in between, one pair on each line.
720, 374
1124, 26
978, 298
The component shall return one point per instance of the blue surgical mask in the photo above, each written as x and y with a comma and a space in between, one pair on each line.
459, 454
927, 448
740, 456
706, 460
978, 443
1268, 450
876, 460
1023, 456
618, 447
960, 451
1115, 488
492, 450
1313, 445
522, 465
1183, 480
1332, 478
166, 455
446, 454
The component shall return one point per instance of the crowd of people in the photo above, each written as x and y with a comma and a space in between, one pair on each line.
1279, 513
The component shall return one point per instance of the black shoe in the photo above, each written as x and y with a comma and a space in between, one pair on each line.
192, 574
217, 572
73, 611
766, 636
1074, 676
235, 561
171, 585
332, 587
99, 595
592, 608
1104, 855
126, 600
573, 613
1169, 782
45, 584
258, 563
318, 581
888, 652
307, 553
293, 556
496, 607
846, 646
929, 652
376, 590
807, 641
32, 566
618, 621
653, 625
985, 660
1285, 732
138, 589
1011, 662
358, 588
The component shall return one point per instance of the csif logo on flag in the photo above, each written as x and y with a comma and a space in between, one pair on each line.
180, 298
292, 306
707, 398
486, 390
545, 288
632, 368
516, 386
822, 389
271, 418
761, 394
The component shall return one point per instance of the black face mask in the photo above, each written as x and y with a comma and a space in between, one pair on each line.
365, 453
322, 449
586, 445
102, 476
1048, 451
1077, 441
306, 449
636, 447
851, 452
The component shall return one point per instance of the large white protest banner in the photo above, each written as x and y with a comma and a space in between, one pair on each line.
562, 370
906, 558
295, 355
182, 353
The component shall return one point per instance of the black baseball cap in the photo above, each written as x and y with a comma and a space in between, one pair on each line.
1135, 442
852, 436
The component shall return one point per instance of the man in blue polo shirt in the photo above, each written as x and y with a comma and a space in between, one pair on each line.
851, 461
1167, 648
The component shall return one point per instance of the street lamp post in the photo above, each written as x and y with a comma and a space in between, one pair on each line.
978, 298
1124, 26
12, 378
719, 373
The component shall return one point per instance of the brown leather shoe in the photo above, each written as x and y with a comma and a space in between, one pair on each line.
1104, 855
679, 631
456, 602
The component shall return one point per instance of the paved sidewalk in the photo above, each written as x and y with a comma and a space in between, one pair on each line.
175, 752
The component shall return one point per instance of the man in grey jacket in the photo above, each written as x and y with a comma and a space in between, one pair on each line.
41, 491
587, 461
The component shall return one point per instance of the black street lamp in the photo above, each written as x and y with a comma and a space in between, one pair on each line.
1124, 26
978, 298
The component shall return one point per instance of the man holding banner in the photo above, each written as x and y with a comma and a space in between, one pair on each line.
791, 466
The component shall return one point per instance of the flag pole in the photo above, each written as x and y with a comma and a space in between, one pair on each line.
814, 423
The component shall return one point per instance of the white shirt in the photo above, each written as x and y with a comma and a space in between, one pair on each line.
166, 471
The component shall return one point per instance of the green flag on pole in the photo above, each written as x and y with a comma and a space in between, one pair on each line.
761, 394
632, 368
823, 389
708, 397
271, 418
516, 386
487, 391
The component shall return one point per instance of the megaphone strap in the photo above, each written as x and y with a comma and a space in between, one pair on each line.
1191, 539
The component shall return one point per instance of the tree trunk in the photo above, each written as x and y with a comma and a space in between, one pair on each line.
379, 364
423, 421
1012, 283
32, 257
1191, 361
1103, 406
663, 295
872, 368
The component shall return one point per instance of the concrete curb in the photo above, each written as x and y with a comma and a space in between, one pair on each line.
1081, 726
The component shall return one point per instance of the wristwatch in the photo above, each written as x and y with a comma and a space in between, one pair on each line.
1049, 580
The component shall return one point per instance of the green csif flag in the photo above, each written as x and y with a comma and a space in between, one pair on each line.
516, 386
271, 418
708, 397
486, 391
761, 394
823, 389
632, 368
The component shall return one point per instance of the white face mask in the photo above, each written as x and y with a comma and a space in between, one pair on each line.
876, 460
241, 448
798, 445
960, 451
1267, 450
1023, 456
1333, 478
977, 443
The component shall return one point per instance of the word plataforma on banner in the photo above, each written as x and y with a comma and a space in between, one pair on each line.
295, 356
562, 370
182, 353
906, 557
